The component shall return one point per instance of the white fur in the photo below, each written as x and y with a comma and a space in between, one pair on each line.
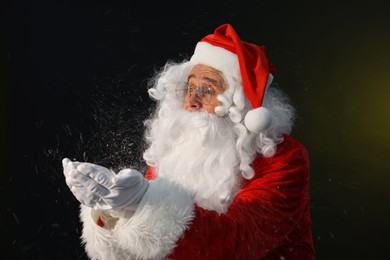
99, 242
152, 233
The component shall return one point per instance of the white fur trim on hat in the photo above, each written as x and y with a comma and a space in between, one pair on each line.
216, 57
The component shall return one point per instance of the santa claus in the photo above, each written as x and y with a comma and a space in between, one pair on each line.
225, 181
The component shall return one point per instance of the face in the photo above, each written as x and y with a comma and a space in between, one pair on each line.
204, 85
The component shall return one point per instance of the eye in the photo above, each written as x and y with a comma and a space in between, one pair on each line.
191, 90
188, 87
209, 90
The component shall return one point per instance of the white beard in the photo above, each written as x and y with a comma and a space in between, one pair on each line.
196, 150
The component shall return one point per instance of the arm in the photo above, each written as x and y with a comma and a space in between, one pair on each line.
158, 221
106, 199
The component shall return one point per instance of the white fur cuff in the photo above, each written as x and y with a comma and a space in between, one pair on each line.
160, 219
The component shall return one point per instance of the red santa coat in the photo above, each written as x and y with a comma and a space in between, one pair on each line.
268, 219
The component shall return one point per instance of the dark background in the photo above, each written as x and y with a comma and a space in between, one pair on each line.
75, 76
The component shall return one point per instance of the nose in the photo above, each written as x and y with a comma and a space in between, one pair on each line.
192, 103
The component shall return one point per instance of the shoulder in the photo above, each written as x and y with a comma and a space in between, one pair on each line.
291, 148
290, 153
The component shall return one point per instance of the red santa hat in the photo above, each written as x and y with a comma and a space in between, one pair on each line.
225, 51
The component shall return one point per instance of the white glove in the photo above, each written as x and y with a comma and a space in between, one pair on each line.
99, 188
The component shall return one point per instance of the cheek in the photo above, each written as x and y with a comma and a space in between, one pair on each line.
211, 108
216, 103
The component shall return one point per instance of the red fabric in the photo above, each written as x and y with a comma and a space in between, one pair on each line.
268, 219
253, 61
100, 222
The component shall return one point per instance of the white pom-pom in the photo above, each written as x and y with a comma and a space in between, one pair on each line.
258, 120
